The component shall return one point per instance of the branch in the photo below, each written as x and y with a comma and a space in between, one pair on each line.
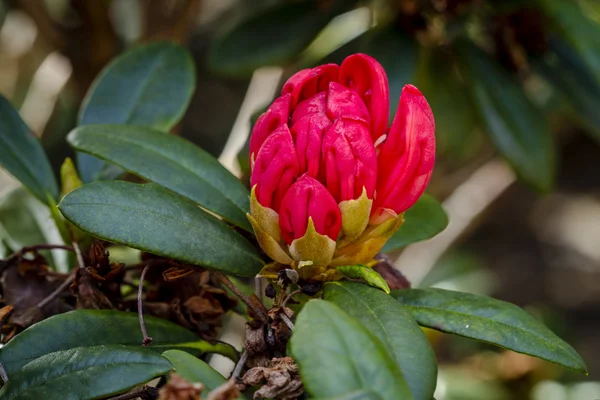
261, 314
147, 339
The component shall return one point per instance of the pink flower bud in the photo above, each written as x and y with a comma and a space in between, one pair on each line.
275, 168
277, 114
308, 198
407, 156
308, 82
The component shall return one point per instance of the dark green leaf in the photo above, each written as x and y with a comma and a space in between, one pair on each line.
489, 320
395, 328
149, 85
22, 155
195, 370
365, 273
85, 373
455, 117
151, 218
174, 163
358, 395
422, 221
516, 126
338, 356
271, 37
24, 221
563, 69
84, 328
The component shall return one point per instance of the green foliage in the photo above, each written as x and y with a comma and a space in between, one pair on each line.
92, 328
22, 155
395, 328
176, 164
194, 370
338, 356
151, 218
489, 320
370, 276
149, 85
422, 221
83, 373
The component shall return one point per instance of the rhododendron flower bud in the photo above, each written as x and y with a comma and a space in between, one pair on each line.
329, 180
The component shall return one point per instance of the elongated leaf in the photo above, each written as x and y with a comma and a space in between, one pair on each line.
151, 218
358, 395
563, 69
271, 37
22, 155
489, 320
365, 273
24, 221
337, 355
85, 373
422, 221
149, 85
516, 126
455, 116
84, 328
175, 164
395, 328
194, 370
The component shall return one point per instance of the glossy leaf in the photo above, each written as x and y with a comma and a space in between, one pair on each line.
516, 126
24, 221
195, 370
174, 163
153, 219
489, 320
22, 155
85, 328
271, 37
369, 275
395, 328
337, 355
149, 85
85, 373
422, 221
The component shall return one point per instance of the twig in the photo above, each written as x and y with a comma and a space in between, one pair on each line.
147, 339
37, 247
146, 393
257, 311
237, 371
80, 260
58, 290
287, 321
258, 287
288, 298
3, 374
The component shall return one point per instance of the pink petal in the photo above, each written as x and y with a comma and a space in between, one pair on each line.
308, 82
344, 102
276, 115
307, 197
407, 156
367, 77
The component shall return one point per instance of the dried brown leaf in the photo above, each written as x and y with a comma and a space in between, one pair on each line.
179, 388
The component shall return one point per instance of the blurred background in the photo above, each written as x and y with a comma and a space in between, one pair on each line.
515, 89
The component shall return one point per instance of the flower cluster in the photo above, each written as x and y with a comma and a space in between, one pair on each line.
329, 179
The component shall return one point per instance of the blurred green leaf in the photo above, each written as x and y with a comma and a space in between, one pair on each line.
175, 164
564, 70
22, 155
451, 266
338, 356
24, 221
489, 320
395, 328
516, 126
85, 373
151, 218
582, 32
273, 36
150, 85
85, 328
358, 395
455, 117
365, 273
422, 221
194, 370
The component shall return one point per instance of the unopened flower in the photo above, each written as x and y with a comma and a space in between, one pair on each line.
329, 179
